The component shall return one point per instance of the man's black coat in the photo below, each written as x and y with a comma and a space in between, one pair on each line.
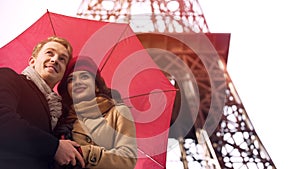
25, 127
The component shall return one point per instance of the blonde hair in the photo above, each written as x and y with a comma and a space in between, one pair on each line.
60, 40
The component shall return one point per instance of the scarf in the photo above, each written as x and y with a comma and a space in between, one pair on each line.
92, 109
92, 114
53, 99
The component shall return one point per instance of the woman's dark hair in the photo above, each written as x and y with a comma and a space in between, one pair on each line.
82, 63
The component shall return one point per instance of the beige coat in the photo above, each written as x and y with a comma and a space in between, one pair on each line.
109, 140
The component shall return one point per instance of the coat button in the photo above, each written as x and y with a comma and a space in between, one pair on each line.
93, 159
88, 140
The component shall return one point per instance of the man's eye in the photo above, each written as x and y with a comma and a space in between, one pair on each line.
62, 59
49, 52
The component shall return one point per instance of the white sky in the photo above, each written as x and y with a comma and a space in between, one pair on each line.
262, 59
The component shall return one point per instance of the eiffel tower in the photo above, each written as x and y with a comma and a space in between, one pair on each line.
210, 127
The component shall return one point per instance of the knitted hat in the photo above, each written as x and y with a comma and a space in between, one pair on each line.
81, 63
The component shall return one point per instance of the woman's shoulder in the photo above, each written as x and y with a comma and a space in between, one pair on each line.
121, 106
123, 109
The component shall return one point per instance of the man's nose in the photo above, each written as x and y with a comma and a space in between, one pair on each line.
54, 59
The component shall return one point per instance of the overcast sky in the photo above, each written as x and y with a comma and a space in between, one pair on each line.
263, 59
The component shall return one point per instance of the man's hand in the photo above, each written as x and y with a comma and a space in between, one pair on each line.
66, 153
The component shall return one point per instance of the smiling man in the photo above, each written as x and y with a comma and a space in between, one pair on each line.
30, 109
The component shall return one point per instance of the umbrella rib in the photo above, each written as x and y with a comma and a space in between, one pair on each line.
51, 22
113, 49
148, 156
144, 94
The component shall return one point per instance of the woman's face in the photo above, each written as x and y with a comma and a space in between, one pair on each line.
81, 86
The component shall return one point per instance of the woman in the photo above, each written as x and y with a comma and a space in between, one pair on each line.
104, 128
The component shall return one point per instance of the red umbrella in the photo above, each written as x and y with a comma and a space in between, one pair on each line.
124, 64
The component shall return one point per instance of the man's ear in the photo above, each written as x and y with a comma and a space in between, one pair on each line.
31, 61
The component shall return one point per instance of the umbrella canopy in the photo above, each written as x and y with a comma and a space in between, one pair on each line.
124, 64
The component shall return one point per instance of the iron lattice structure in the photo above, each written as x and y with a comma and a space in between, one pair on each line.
148, 15
233, 143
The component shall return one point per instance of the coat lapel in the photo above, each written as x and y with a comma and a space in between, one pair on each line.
42, 98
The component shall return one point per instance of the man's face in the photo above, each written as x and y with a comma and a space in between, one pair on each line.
51, 62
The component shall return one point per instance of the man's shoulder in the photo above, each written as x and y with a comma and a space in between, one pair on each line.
7, 71
9, 75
